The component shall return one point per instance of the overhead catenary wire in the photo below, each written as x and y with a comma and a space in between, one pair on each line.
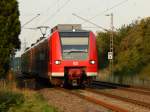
47, 10
90, 22
114, 6
50, 7
30, 20
57, 11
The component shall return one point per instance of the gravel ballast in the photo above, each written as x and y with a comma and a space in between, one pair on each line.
66, 102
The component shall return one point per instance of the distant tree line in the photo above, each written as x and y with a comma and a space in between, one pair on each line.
9, 31
131, 48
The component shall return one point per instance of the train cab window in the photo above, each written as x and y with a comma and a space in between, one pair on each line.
74, 45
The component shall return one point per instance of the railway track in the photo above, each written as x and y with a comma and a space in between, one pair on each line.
128, 100
96, 101
113, 103
106, 104
103, 85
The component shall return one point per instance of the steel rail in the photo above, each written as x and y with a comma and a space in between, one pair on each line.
95, 101
136, 91
128, 100
119, 87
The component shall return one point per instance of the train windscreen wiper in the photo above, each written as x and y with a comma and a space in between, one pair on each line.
74, 50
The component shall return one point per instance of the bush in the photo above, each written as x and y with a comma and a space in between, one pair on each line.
34, 102
9, 99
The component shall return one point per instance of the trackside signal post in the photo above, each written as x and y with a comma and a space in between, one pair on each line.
111, 51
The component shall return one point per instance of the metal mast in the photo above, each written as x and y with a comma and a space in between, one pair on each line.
111, 43
111, 51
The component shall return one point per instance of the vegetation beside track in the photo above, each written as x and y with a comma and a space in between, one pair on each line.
131, 50
33, 102
22, 100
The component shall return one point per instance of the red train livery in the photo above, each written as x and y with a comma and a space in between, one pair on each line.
67, 56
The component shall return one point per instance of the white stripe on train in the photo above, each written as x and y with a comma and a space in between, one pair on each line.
61, 74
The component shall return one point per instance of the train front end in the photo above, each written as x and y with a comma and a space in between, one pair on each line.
74, 57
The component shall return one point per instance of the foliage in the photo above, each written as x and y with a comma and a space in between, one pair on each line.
145, 72
131, 47
9, 31
103, 48
33, 103
9, 99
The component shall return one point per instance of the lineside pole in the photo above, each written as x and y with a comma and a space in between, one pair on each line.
111, 45
111, 50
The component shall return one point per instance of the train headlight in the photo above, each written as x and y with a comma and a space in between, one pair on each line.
92, 62
57, 62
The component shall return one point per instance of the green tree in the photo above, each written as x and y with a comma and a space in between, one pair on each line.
131, 48
103, 48
134, 48
9, 31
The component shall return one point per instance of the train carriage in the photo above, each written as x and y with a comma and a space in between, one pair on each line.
68, 56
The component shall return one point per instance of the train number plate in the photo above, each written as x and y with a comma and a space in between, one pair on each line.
75, 63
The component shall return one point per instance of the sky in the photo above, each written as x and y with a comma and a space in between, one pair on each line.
53, 12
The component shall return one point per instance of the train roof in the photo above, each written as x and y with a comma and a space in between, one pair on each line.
66, 27
40, 41
60, 28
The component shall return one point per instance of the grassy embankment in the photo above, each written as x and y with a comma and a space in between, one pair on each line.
13, 99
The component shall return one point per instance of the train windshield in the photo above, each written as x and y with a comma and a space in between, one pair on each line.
74, 45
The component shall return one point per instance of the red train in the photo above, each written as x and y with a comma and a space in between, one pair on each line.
68, 56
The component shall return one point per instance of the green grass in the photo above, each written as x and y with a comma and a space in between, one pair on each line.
9, 99
33, 103
23, 101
